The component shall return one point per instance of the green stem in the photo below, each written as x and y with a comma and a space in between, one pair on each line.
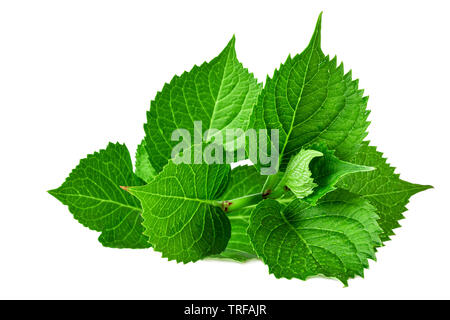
239, 203
272, 189
270, 183
250, 201
277, 193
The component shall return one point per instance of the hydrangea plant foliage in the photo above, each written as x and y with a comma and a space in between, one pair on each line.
331, 203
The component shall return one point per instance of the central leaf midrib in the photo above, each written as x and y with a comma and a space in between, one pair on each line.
216, 100
102, 200
209, 202
299, 99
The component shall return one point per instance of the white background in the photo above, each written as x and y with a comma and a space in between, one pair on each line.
77, 74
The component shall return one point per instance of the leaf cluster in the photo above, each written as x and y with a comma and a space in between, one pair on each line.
332, 203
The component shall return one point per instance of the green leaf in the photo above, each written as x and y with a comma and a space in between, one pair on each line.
328, 170
94, 197
298, 176
310, 100
220, 93
181, 217
334, 238
244, 180
144, 169
382, 187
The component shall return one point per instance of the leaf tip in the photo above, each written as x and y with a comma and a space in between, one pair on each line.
319, 19
367, 168
316, 38
426, 187
232, 41
319, 22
